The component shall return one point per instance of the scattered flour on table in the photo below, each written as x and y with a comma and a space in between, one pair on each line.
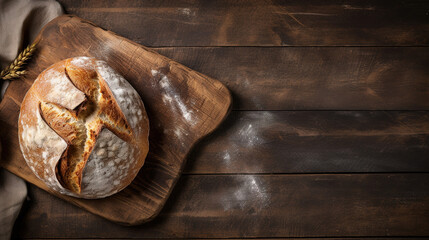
186, 11
251, 192
248, 136
246, 84
226, 157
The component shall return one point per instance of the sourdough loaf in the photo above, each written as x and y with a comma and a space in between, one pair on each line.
83, 129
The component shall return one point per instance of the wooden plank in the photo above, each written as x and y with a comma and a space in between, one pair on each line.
314, 78
321, 238
306, 142
315, 141
260, 22
225, 206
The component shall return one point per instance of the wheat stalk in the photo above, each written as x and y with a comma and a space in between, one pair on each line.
13, 70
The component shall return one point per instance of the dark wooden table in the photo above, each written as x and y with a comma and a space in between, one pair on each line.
329, 133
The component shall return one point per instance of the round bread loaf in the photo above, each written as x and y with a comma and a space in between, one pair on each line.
83, 129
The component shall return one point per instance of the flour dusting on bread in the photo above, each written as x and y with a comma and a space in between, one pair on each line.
99, 173
83, 129
128, 100
39, 136
59, 85
83, 62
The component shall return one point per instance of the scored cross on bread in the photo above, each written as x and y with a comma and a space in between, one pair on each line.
80, 127
83, 129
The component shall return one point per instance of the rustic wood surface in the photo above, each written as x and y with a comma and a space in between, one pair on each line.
341, 141
315, 78
261, 22
328, 137
259, 206
200, 104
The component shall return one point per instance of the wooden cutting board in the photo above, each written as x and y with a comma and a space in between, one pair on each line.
195, 106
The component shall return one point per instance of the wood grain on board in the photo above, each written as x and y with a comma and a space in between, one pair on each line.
315, 78
260, 22
198, 105
246, 206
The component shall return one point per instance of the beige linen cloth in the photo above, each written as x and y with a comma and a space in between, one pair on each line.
20, 22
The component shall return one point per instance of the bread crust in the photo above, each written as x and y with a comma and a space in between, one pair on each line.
83, 129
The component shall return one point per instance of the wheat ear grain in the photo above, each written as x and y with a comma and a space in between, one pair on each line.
13, 70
